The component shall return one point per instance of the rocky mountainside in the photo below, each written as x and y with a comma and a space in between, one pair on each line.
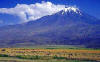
70, 26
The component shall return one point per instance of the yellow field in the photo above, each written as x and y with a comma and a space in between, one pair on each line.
53, 53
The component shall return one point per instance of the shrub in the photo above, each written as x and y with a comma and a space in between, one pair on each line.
3, 55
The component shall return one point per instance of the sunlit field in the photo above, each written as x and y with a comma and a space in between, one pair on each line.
49, 55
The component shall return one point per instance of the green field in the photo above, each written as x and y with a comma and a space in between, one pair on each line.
54, 47
8, 59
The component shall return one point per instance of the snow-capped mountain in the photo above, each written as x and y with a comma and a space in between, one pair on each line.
67, 27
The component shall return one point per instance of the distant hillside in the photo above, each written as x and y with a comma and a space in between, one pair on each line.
70, 26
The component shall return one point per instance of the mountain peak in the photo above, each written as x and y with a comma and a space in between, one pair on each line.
71, 9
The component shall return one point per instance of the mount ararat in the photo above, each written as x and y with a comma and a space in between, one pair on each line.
70, 26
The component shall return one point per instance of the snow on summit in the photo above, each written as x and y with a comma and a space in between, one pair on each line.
70, 8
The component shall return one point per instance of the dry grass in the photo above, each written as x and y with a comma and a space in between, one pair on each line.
52, 53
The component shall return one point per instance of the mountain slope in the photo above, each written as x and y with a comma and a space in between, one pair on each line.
69, 26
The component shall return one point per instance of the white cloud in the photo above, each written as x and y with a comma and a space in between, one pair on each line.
32, 11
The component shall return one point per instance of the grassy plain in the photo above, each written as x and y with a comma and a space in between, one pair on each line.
49, 54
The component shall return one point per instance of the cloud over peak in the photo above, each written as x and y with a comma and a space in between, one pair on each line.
32, 11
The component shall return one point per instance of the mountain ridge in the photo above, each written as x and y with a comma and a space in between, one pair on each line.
69, 28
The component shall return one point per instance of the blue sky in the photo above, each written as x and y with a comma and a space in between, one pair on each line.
91, 7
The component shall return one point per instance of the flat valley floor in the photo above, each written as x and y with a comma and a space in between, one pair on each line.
49, 54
